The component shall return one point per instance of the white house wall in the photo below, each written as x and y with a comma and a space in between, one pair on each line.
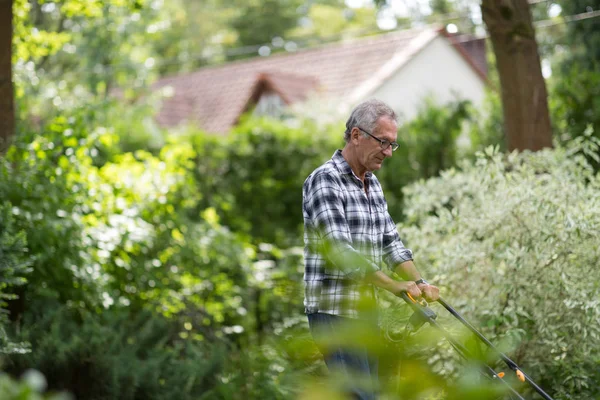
437, 70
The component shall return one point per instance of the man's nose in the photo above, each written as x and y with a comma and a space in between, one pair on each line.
388, 152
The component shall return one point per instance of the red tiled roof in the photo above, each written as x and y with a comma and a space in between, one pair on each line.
214, 97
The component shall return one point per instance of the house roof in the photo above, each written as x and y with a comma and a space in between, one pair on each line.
215, 97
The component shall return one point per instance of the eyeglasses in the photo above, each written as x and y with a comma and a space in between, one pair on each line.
384, 143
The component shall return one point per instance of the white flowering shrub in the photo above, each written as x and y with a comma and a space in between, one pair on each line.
513, 241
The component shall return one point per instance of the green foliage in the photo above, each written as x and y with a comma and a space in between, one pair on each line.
176, 244
145, 266
70, 51
119, 355
30, 387
259, 21
433, 134
583, 36
406, 364
260, 163
41, 185
193, 34
575, 103
121, 236
575, 94
334, 21
428, 145
512, 240
182, 237
487, 125
149, 242
14, 266
262, 372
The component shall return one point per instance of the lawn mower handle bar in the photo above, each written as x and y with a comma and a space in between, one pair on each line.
425, 314
418, 307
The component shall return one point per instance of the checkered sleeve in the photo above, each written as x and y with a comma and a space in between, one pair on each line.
394, 252
325, 203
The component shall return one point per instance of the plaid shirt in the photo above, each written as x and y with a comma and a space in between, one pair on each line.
357, 231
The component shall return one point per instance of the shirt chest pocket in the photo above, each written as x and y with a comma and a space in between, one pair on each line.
379, 215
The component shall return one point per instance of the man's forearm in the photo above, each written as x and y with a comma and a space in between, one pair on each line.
380, 279
408, 271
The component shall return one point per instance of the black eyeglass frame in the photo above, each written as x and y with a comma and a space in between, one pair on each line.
382, 142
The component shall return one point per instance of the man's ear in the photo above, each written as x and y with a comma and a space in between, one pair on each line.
354, 135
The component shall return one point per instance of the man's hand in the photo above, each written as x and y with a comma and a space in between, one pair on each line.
406, 286
430, 293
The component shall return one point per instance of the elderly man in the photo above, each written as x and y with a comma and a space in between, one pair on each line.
348, 233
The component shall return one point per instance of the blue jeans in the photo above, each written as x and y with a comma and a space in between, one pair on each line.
350, 363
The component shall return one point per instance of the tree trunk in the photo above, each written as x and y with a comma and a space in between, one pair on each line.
7, 108
524, 95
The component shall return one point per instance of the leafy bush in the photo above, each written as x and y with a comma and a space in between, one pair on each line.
513, 242
14, 265
42, 184
119, 238
428, 145
575, 104
119, 355
486, 125
30, 387
254, 177
122, 230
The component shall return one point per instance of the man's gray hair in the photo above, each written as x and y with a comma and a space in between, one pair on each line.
366, 114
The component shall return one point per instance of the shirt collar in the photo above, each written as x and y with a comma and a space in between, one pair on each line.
343, 166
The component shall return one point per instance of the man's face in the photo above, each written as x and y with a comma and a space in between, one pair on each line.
370, 153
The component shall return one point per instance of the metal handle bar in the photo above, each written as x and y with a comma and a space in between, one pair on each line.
428, 315
511, 364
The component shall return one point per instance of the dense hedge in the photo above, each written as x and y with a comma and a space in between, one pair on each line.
114, 245
513, 241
